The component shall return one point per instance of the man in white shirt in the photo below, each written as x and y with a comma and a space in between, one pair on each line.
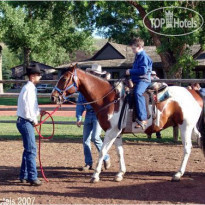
27, 113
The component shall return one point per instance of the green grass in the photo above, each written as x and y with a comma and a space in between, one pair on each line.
9, 131
13, 101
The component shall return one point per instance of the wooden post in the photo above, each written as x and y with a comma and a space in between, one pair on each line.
175, 133
1, 84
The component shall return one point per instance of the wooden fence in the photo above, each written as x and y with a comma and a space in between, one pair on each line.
53, 82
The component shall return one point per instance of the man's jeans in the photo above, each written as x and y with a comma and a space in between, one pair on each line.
139, 89
28, 166
91, 132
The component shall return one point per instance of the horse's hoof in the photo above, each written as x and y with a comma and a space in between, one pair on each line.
175, 178
118, 178
94, 180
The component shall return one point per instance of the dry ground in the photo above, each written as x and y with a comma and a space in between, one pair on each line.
149, 170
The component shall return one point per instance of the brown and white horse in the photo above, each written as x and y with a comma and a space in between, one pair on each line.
183, 108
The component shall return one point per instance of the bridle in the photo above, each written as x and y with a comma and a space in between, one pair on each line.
74, 77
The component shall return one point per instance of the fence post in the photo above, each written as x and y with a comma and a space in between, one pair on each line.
1, 84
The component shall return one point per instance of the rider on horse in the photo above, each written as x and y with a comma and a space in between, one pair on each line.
140, 75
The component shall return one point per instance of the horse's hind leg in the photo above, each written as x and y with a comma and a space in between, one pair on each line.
120, 152
186, 132
109, 139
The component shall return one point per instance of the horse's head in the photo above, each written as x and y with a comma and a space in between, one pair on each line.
66, 86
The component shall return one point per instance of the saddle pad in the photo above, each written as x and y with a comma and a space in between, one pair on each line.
163, 95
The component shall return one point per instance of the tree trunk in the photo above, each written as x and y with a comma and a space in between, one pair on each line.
1, 84
27, 52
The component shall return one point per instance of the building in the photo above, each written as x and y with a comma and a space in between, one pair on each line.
49, 73
200, 68
116, 58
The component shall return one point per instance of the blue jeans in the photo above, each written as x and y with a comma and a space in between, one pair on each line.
28, 166
139, 89
91, 132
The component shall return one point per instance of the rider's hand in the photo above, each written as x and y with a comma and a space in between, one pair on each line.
78, 123
127, 72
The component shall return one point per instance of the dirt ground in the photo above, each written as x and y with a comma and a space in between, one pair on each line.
148, 178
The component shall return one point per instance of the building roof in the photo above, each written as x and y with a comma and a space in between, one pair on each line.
17, 71
119, 55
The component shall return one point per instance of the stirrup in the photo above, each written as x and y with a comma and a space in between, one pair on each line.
142, 125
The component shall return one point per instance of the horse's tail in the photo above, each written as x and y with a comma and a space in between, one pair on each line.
201, 128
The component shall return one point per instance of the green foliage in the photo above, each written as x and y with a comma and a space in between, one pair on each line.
9, 60
187, 62
114, 20
13, 101
55, 30
9, 131
120, 22
46, 28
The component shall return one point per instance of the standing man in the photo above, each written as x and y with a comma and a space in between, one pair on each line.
140, 75
27, 113
91, 129
196, 86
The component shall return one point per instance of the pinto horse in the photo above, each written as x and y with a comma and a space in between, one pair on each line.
183, 108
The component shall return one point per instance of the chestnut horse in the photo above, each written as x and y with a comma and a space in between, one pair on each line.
183, 108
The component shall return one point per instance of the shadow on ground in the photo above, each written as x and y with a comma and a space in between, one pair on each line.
142, 186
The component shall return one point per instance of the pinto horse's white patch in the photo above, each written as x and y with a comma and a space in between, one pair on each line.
110, 116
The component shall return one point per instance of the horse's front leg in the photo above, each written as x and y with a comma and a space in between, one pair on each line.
120, 152
110, 137
186, 132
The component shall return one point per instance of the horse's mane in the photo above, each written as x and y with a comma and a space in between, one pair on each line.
98, 77
70, 68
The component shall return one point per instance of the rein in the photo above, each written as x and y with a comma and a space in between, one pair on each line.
42, 137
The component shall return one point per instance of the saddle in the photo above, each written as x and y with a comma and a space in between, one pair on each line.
153, 94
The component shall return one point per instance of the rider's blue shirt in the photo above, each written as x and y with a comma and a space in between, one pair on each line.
142, 67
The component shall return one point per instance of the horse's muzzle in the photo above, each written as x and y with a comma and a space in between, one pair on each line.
56, 99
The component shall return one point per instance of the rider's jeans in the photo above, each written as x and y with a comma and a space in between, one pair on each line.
139, 89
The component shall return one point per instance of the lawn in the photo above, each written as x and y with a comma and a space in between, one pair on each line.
13, 101
9, 131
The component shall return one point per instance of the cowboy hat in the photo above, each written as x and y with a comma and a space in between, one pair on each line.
33, 69
96, 69
153, 73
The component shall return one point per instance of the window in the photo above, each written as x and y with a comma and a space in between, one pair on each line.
115, 75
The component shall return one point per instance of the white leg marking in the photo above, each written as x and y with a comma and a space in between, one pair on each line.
120, 152
109, 139
186, 131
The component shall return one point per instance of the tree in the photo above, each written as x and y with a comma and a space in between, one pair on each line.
120, 21
44, 31
174, 51
1, 85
